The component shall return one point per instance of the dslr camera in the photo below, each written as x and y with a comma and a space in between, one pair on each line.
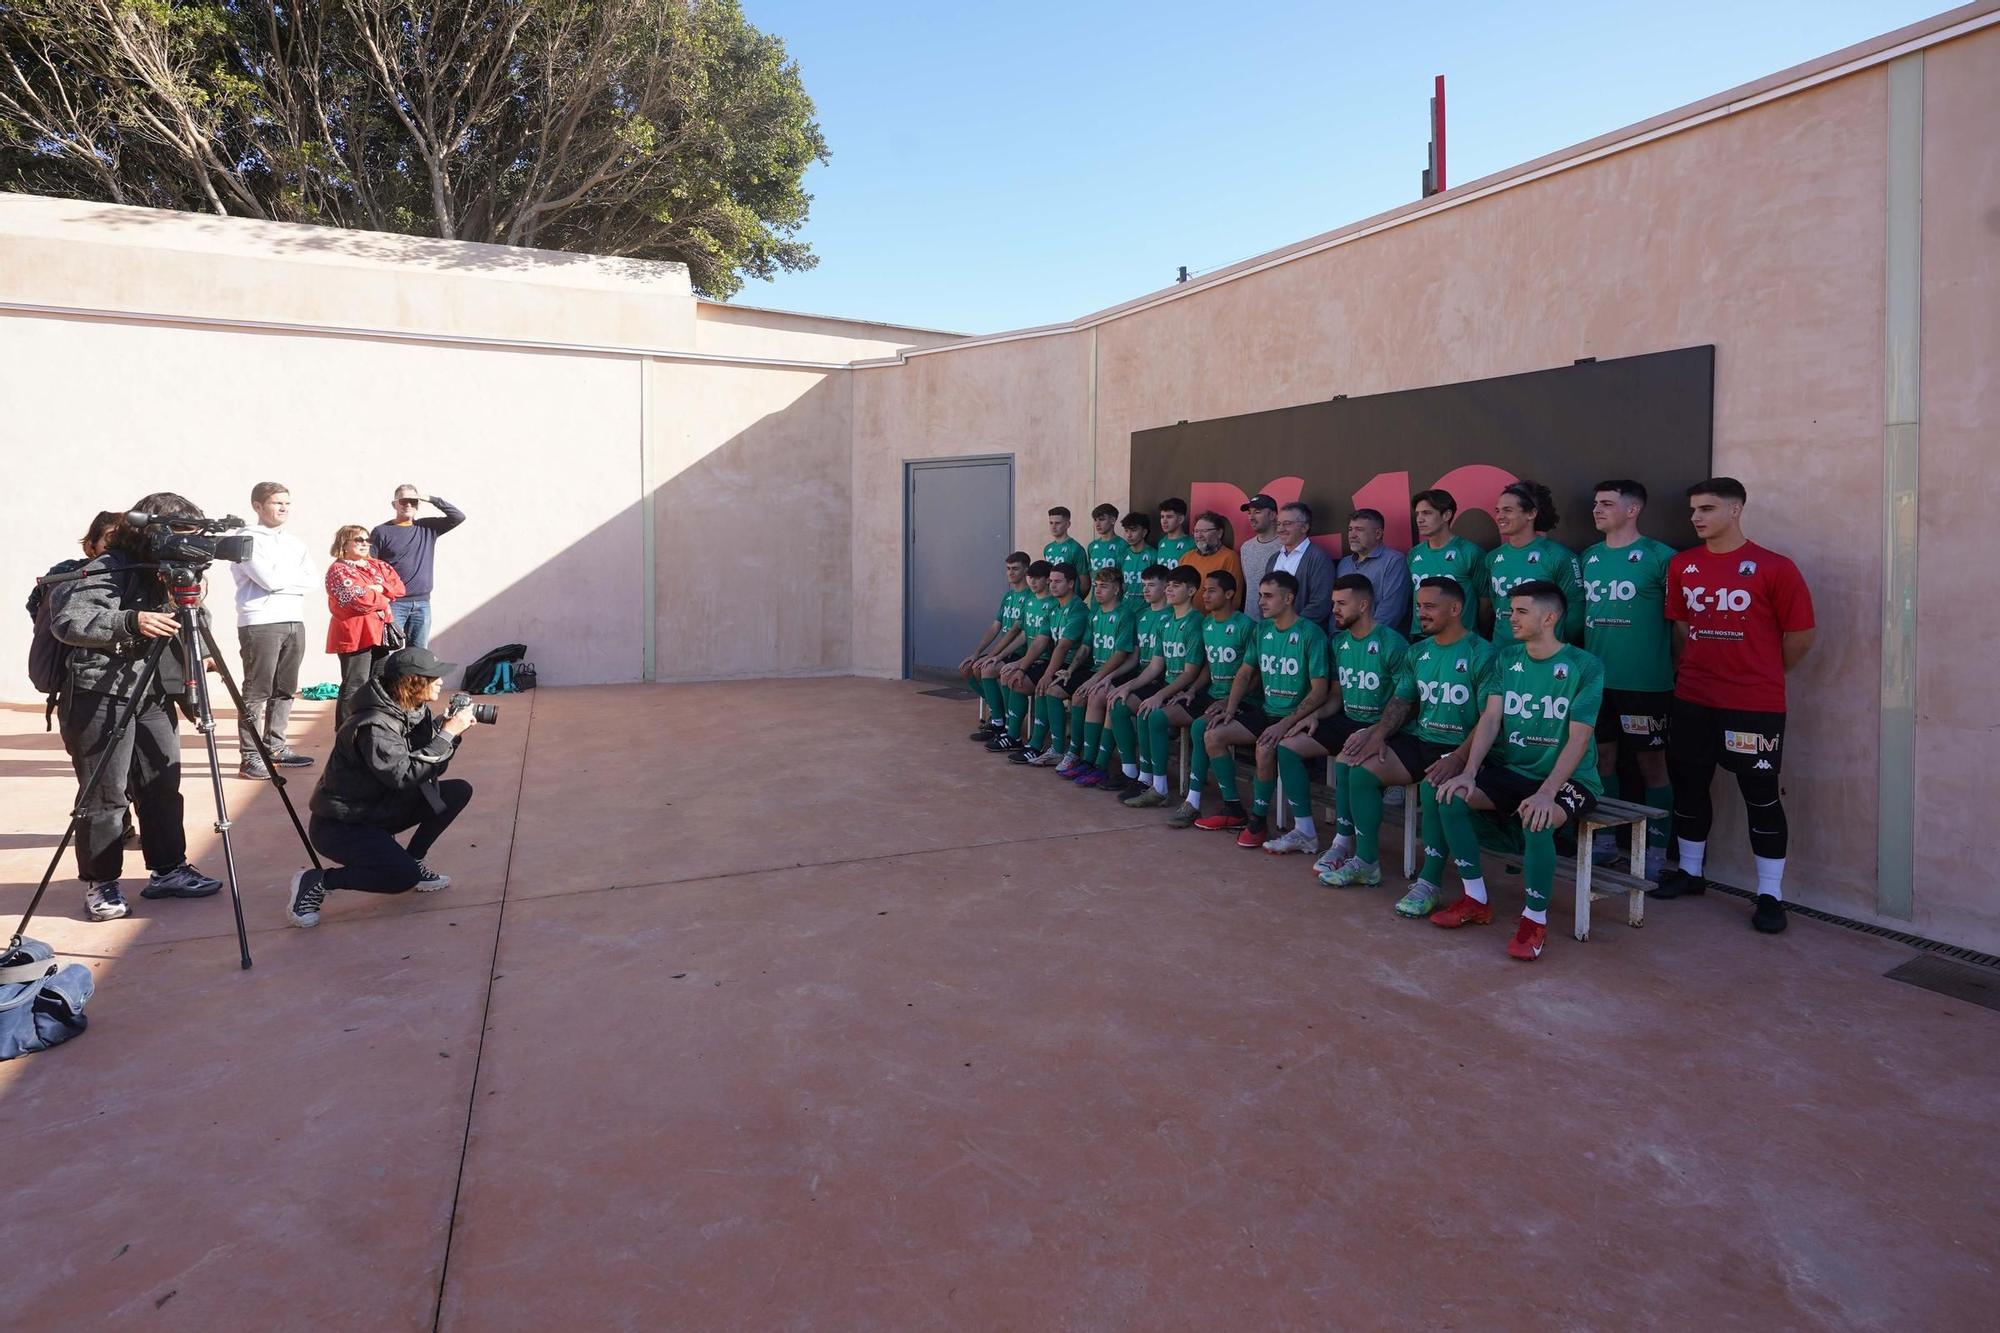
181, 539
484, 714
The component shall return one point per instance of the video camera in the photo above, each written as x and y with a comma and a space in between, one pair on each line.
182, 539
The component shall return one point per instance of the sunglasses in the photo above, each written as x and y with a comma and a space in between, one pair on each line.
408, 500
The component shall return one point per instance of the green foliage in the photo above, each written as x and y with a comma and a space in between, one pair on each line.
653, 129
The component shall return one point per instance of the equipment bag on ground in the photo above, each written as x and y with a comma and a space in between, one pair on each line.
481, 673
41, 1000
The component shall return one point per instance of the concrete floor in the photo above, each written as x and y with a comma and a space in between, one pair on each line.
779, 1005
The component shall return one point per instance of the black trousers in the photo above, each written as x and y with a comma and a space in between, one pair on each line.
368, 857
144, 770
355, 669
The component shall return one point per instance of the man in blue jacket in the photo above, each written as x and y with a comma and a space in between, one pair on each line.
409, 544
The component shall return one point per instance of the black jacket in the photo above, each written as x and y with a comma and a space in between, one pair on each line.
385, 764
97, 616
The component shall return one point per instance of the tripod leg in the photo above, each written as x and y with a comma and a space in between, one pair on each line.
192, 634
277, 777
146, 678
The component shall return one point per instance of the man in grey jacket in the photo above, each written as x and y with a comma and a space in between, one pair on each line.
1312, 567
271, 588
110, 620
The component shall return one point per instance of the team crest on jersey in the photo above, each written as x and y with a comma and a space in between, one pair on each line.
1747, 567
1632, 559
1562, 672
1450, 557
1534, 557
1459, 666
1374, 649
1294, 638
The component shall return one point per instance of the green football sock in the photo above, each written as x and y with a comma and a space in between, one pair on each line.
1461, 837
1433, 871
1343, 810
1093, 741
1058, 724
996, 707
1017, 713
1538, 867
1161, 732
1225, 775
1197, 774
1364, 800
1298, 787
1039, 736
1076, 716
1660, 798
1127, 736
1261, 791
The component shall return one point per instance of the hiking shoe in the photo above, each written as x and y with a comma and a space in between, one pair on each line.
1464, 912
302, 903
1251, 838
1046, 759
183, 881
1291, 841
1353, 873
1332, 858
1022, 754
429, 881
1677, 883
1147, 799
1184, 817
104, 902
1528, 940
253, 768
289, 758
1769, 915
1223, 821
1421, 900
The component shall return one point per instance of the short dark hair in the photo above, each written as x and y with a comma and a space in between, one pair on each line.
1441, 500
1281, 579
1449, 587
1302, 509
1040, 569
1372, 515
1222, 579
1722, 488
1626, 487
1064, 568
1174, 505
264, 490
106, 520
1535, 498
1186, 574
1135, 519
1545, 595
1105, 511
1355, 583
1159, 572
1020, 558
1059, 511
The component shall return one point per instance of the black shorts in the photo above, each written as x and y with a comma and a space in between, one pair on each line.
1332, 732
1036, 671
1739, 740
1635, 718
1507, 789
1414, 753
1143, 693
1251, 718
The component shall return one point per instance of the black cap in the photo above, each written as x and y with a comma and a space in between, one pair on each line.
415, 662
1260, 502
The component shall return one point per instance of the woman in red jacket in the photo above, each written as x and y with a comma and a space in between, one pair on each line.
359, 589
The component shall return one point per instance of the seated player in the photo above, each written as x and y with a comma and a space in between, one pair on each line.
1000, 636
1114, 630
1424, 732
1225, 645
1116, 697
1068, 629
1183, 668
1138, 555
1025, 658
1292, 676
1366, 657
1533, 755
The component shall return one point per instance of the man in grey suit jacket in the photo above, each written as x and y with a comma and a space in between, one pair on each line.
1312, 567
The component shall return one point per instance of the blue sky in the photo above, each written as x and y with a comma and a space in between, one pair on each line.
1001, 165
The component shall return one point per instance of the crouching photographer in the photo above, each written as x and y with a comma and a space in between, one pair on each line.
385, 775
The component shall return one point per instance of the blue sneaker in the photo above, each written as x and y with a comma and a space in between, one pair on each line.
183, 881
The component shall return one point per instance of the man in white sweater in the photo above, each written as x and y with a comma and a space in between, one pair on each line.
271, 589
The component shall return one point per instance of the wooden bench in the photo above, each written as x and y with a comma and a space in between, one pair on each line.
1594, 881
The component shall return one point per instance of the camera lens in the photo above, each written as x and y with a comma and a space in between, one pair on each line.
485, 714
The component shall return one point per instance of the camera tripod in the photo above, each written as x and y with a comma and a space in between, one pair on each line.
196, 642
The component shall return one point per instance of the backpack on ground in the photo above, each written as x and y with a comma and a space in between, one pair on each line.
481, 673
41, 1000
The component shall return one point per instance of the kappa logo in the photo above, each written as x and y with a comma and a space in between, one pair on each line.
1761, 763
1424, 657
1517, 667
1690, 570
1747, 568
1591, 561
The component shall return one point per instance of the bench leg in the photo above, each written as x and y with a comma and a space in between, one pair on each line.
1635, 900
1584, 837
1413, 806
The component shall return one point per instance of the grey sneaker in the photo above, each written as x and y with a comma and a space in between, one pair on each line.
1330, 860
1046, 759
1353, 873
302, 903
253, 769
183, 881
429, 881
104, 902
1291, 841
1184, 817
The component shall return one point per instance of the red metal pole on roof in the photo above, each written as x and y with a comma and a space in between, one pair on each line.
1437, 132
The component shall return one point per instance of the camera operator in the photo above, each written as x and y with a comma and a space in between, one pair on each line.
109, 619
386, 774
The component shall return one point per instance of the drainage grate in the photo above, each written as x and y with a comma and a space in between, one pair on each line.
1929, 946
954, 693
1960, 981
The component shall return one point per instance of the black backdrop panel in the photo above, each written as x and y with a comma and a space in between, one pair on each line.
1646, 417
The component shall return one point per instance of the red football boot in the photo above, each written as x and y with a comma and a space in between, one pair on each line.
1528, 941
1464, 912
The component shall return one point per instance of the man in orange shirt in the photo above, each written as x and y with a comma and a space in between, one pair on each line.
1209, 554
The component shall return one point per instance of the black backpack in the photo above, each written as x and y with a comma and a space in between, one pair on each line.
48, 656
480, 674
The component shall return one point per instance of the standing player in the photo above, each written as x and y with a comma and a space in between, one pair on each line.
1625, 627
1105, 547
1068, 627
1137, 553
1024, 658
1292, 672
1183, 666
1745, 619
1524, 511
1061, 548
998, 637
1114, 631
1174, 540
1442, 553
1113, 701
1225, 644
1533, 755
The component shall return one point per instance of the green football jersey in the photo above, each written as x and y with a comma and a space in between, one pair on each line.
1458, 560
1445, 686
1173, 548
1366, 670
1070, 549
1505, 566
1289, 661
1104, 553
1625, 616
1180, 640
1113, 631
1133, 564
1146, 632
1225, 642
1539, 701
1069, 620
1012, 607
1034, 621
